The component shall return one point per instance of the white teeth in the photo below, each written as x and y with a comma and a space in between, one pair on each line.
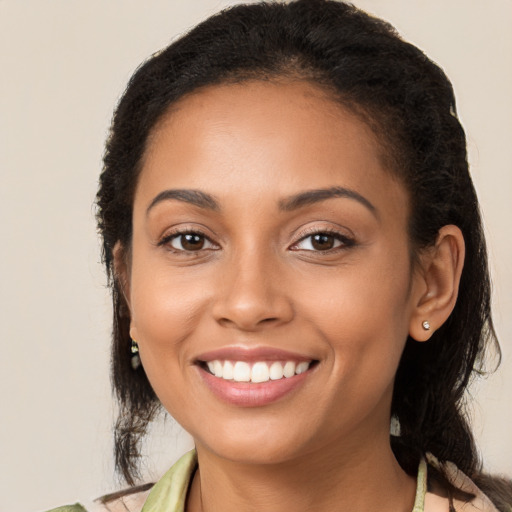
217, 369
289, 369
261, 371
302, 367
276, 371
241, 372
228, 370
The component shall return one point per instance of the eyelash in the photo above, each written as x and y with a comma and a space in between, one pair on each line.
346, 242
166, 241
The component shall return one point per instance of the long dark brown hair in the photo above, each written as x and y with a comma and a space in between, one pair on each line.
409, 103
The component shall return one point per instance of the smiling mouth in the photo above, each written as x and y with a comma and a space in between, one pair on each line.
256, 372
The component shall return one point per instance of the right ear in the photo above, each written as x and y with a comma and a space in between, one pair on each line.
122, 277
122, 271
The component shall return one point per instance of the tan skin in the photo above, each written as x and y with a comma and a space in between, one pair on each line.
330, 280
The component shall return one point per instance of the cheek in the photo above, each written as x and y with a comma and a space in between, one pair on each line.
165, 309
165, 316
365, 332
360, 298
362, 314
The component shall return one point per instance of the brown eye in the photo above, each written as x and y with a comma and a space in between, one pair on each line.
190, 242
322, 241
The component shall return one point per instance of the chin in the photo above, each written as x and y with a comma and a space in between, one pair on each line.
252, 444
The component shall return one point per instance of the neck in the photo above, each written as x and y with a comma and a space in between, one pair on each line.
337, 478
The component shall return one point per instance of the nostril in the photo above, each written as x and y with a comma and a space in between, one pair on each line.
251, 308
247, 323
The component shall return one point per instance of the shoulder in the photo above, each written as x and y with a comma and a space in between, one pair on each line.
69, 508
129, 501
125, 501
169, 493
479, 502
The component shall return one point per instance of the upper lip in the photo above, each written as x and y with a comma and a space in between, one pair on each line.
251, 354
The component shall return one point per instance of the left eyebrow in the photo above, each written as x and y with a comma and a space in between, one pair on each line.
310, 197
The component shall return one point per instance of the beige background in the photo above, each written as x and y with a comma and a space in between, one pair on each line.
63, 64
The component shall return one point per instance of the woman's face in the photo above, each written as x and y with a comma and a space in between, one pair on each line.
270, 284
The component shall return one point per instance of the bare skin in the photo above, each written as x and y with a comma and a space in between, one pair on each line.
243, 265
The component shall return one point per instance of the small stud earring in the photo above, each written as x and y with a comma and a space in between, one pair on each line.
135, 355
426, 325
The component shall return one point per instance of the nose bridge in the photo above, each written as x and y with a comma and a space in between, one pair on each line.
251, 294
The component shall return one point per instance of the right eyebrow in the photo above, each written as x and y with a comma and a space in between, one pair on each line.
194, 197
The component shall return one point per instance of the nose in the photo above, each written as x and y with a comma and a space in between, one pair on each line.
251, 295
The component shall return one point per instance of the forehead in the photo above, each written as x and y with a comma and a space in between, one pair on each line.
235, 138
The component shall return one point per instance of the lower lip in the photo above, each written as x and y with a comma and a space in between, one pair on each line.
246, 394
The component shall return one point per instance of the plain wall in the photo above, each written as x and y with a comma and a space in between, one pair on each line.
63, 65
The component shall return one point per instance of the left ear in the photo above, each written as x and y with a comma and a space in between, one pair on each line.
436, 283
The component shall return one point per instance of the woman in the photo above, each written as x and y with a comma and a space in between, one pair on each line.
296, 257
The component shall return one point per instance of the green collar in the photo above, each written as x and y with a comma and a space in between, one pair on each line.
170, 492
421, 487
